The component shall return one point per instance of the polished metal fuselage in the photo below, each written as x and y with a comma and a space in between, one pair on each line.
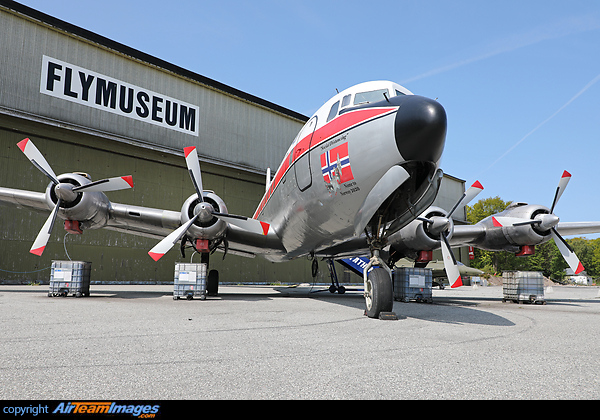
313, 212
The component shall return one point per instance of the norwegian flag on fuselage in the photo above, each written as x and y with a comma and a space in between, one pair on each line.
329, 164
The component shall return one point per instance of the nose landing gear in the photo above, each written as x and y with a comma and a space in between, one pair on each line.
379, 293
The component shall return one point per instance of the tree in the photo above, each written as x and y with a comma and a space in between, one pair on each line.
486, 260
485, 208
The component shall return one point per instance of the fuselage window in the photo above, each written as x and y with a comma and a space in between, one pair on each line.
333, 112
346, 101
367, 97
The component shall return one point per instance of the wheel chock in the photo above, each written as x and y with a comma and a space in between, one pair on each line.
388, 316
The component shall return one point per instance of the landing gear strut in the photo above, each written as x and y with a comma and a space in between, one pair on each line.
335, 285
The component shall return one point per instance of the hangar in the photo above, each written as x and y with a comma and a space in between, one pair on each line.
96, 106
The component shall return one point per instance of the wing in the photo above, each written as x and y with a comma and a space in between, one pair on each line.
578, 228
243, 238
30, 200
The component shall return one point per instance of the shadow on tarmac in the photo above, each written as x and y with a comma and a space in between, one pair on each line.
443, 310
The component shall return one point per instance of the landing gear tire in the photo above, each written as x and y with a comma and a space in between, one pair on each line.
341, 290
212, 283
379, 296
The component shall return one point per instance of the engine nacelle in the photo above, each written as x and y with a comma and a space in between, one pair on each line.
88, 208
420, 235
206, 225
512, 238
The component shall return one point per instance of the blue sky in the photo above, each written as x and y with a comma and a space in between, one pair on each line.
519, 79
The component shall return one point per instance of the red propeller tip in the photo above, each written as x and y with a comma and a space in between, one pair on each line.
188, 150
265, 227
128, 179
496, 222
457, 283
22, 144
38, 251
579, 268
155, 256
477, 184
566, 175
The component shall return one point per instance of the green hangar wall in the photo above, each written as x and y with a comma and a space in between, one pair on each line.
96, 106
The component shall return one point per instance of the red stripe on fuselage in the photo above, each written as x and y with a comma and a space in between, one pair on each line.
338, 125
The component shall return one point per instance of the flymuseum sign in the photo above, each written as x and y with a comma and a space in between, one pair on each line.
76, 84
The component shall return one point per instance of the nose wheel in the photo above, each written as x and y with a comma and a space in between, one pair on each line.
379, 293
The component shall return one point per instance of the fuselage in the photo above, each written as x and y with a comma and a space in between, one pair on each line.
340, 155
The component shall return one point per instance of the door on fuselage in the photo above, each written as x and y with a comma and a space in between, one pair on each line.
302, 164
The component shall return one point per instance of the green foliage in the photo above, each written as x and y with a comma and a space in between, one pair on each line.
485, 208
546, 259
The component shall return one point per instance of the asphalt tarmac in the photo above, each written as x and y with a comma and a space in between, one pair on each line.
262, 342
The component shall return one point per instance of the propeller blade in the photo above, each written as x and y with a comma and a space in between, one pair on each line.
110, 184
246, 223
42, 239
562, 184
567, 253
191, 159
450, 264
167, 243
469, 195
37, 159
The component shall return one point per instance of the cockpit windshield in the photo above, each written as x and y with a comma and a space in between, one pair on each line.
372, 96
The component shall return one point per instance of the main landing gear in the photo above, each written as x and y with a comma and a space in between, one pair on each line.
335, 285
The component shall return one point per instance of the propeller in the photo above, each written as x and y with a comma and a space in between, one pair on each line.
65, 192
204, 210
439, 225
548, 222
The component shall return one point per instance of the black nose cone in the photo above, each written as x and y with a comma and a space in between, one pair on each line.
420, 129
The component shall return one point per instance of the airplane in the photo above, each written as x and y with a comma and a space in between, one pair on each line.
358, 179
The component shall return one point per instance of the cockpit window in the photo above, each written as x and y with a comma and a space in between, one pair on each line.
398, 93
346, 101
333, 112
367, 97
